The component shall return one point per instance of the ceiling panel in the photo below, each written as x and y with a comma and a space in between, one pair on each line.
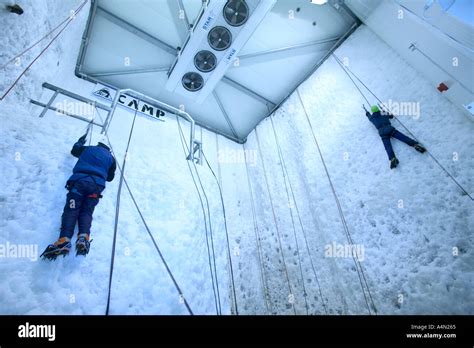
283, 50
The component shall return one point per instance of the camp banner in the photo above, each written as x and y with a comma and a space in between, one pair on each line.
106, 93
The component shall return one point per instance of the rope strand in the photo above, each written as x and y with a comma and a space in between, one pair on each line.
117, 212
148, 229
285, 178
44, 37
214, 279
347, 71
299, 216
275, 220
41, 53
226, 233
266, 294
360, 272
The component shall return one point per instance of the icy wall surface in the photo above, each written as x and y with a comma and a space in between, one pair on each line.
35, 164
407, 221
414, 224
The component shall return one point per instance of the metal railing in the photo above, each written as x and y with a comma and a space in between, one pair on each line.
194, 145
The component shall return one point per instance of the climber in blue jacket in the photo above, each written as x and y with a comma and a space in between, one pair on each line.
381, 121
94, 167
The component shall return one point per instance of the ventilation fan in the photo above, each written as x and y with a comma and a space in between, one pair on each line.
236, 12
205, 61
213, 45
192, 81
219, 38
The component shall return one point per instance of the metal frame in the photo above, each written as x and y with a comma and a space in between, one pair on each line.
194, 145
131, 72
182, 24
286, 49
60, 91
224, 112
271, 106
133, 29
247, 91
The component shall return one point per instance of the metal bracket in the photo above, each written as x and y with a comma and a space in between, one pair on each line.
196, 148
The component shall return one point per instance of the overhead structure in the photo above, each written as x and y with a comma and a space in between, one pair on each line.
228, 63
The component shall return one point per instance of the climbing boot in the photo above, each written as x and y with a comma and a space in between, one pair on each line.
420, 148
82, 244
394, 163
61, 247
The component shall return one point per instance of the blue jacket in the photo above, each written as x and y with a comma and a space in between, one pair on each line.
95, 164
381, 122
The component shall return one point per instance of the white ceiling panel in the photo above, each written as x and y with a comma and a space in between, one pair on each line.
136, 43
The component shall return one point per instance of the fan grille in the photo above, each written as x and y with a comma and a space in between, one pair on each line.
192, 81
205, 61
236, 12
219, 38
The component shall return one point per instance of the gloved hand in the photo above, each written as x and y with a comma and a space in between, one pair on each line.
82, 139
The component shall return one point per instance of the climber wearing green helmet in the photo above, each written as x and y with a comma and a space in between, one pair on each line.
381, 121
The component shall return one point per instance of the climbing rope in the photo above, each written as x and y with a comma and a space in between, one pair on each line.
117, 211
285, 174
71, 18
265, 292
358, 266
90, 126
343, 67
275, 219
347, 71
285, 177
226, 232
146, 226
44, 37
210, 248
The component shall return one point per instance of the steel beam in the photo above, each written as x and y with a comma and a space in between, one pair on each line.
86, 36
293, 48
180, 19
131, 72
224, 112
247, 91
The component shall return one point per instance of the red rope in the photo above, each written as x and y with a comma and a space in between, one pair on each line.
71, 18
